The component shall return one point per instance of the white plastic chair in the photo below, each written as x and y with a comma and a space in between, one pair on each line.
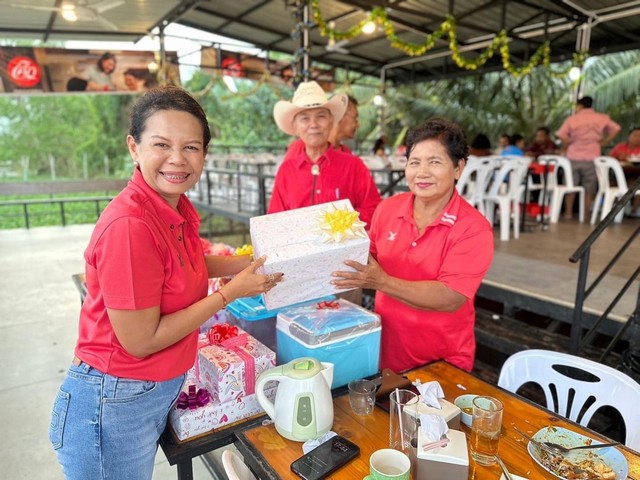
557, 191
475, 179
235, 468
608, 194
505, 192
600, 386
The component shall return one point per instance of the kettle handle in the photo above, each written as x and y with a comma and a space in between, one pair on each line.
271, 374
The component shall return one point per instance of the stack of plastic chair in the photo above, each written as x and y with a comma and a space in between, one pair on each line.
505, 192
475, 179
575, 387
235, 468
608, 194
557, 190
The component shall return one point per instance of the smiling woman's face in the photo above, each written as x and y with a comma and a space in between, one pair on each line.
170, 154
430, 173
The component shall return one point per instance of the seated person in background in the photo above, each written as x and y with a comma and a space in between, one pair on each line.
515, 147
542, 144
429, 252
319, 173
503, 142
481, 146
631, 148
380, 150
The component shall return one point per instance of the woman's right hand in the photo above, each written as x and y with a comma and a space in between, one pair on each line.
249, 283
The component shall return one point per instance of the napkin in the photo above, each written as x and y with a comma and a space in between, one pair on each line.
433, 426
430, 392
316, 442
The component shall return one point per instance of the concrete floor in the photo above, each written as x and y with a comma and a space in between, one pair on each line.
39, 307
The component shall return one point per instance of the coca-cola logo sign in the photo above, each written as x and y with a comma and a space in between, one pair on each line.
24, 72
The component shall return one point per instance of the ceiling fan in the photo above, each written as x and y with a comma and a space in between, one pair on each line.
80, 10
333, 46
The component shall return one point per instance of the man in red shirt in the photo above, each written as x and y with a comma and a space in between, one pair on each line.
584, 134
319, 173
624, 151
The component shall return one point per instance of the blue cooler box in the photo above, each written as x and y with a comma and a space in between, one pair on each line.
252, 316
348, 337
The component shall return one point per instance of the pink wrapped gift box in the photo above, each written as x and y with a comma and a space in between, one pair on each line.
187, 423
226, 371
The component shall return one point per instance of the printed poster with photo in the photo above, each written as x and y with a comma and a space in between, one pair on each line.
25, 70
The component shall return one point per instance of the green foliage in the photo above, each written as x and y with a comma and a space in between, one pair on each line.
492, 104
68, 128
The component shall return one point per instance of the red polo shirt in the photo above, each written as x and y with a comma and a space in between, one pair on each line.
142, 254
456, 250
340, 175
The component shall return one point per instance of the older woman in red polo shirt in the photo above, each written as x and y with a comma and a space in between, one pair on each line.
430, 251
146, 298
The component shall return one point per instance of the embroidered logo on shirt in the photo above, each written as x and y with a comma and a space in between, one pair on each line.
448, 218
392, 236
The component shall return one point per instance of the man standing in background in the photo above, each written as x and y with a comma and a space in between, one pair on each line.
583, 135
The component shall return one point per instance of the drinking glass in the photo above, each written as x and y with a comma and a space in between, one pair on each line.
403, 419
485, 429
362, 396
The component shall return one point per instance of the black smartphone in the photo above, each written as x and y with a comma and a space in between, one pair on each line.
325, 459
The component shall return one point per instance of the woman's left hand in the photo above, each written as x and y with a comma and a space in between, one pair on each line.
370, 275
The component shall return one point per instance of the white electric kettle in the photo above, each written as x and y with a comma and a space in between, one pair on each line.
303, 408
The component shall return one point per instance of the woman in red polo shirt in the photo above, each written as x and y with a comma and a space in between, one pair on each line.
430, 251
146, 277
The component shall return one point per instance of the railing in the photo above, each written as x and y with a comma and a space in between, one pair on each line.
242, 190
631, 358
106, 188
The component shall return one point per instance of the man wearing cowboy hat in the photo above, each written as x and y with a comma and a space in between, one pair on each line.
318, 173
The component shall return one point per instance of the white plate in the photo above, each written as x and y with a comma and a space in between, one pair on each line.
610, 456
514, 476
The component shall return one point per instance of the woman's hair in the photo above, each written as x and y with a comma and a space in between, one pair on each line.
515, 138
105, 56
166, 98
481, 142
449, 134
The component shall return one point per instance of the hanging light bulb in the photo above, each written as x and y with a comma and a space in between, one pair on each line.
378, 100
369, 27
68, 11
574, 73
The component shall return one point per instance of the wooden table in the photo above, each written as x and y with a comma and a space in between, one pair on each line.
270, 455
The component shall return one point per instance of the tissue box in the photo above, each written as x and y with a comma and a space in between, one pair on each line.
448, 411
451, 461
222, 370
294, 243
339, 332
187, 423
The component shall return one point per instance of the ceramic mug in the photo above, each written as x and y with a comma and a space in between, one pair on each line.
388, 464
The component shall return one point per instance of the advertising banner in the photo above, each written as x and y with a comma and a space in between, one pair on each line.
239, 65
25, 70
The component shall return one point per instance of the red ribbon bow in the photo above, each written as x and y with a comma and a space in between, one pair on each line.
226, 336
328, 305
221, 332
193, 399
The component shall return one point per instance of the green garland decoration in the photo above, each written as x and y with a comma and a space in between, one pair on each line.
448, 27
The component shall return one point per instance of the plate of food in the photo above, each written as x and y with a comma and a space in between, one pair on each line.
597, 464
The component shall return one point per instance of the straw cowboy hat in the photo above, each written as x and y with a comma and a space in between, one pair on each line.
308, 95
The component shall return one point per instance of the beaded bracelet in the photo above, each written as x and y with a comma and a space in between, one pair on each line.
224, 299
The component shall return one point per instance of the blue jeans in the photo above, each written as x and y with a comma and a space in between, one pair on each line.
105, 427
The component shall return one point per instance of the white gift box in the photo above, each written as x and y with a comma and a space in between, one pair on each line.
307, 246
187, 423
